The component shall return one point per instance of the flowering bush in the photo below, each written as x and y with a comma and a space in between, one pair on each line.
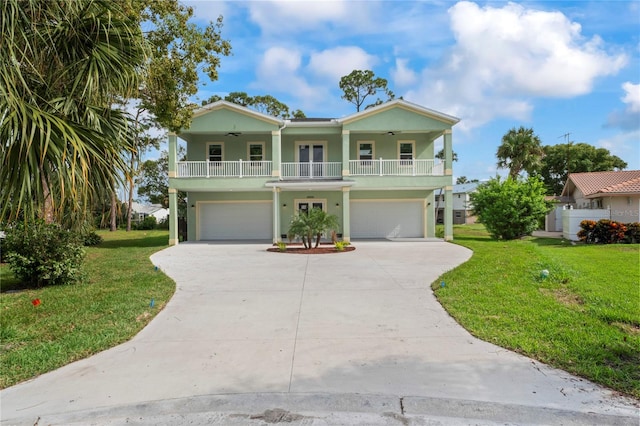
607, 231
586, 231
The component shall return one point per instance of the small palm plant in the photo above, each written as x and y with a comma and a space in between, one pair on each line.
312, 224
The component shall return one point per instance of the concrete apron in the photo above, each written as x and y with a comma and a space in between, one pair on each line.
247, 322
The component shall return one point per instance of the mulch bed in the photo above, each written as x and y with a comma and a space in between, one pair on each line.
321, 249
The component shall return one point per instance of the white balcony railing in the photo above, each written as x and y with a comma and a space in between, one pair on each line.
312, 170
395, 168
237, 169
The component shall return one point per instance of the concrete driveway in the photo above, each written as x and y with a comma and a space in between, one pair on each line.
357, 331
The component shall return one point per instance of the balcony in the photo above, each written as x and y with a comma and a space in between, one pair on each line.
223, 169
312, 170
395, 168
308, 170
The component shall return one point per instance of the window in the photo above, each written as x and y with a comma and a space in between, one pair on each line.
304, 206
256, 151
458, 215
406, 152
365, 150
214, 152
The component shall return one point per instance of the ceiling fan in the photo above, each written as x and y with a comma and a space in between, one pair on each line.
235, 134
392, 132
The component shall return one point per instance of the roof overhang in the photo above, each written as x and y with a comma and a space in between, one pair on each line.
315, 185
402, 104
218, 105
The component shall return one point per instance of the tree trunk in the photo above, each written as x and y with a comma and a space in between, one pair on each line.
114, 211
47, 213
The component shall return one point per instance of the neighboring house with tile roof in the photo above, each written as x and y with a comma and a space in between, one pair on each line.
599, 195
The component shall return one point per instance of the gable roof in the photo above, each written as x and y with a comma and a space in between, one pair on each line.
146, 208
449, 119
594, 184
222, 104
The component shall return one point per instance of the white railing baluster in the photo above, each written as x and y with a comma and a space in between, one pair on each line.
382, 167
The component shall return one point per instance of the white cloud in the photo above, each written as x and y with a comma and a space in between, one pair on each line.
529, 51
279, 71
285, 16
632, 96
339, 61
402, 75
503, 56
629, 119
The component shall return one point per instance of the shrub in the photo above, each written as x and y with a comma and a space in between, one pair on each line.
607, 231
340, 245
44, 254
163, 223
91, 239
511, 208
586, 231
148, 223
282, 246
632, 236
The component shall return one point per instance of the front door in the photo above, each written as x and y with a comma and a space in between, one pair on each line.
311, 157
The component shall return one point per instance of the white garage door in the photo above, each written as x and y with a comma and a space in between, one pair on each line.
236, 221
387, 219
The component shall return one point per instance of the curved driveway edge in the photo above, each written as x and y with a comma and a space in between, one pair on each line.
245, 321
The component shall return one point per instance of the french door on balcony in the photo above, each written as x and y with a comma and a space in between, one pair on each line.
311, 158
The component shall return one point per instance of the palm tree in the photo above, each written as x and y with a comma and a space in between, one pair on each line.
312, 224
62, 64
520, 150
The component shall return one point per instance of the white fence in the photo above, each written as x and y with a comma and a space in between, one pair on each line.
223, 168
571, 220
395, 168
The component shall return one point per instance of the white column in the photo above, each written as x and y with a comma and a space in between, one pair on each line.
276, 215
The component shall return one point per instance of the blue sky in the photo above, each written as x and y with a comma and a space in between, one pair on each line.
558, 67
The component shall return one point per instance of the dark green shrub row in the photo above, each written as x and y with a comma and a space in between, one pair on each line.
607, 231
148, 223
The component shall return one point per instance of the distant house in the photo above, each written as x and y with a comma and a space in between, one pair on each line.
594, 196
462, 208
141, 211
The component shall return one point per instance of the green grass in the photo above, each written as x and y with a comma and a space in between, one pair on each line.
74, 321
584, 318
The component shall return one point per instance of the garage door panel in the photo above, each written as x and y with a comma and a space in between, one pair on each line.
387, 219
236, 221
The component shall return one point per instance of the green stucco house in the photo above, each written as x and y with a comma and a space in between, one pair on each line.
246, 174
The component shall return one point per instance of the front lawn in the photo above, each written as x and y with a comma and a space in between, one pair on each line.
583, 318
74, 321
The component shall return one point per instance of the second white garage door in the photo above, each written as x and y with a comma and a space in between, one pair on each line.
387, 219
235, 221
